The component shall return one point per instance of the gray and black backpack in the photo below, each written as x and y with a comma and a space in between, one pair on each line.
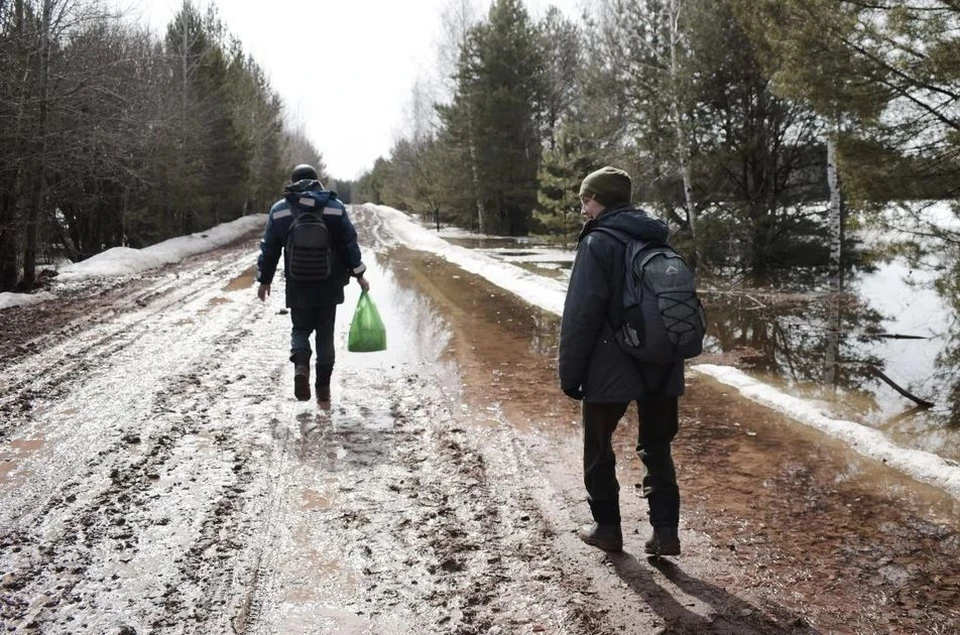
664, 321
309, 248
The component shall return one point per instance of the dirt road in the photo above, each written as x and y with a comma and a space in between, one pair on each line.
157, 476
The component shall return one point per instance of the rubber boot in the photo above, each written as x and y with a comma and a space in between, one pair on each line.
664, 542
606, 537
301, 381
323, 384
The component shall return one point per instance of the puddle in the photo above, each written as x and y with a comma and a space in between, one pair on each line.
890, 320
27, 445
505, 349
217, 301
315, 500
244, 281
12, 456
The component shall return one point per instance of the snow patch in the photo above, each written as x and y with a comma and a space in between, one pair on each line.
120, 261
10, 300
541, 292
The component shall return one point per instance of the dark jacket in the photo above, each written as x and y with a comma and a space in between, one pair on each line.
589, 354
298, 197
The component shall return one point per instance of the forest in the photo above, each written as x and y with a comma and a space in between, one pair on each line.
763, 130
113, 136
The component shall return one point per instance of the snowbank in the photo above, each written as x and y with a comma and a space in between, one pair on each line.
549, 294
543, 292
121, 261
9, 300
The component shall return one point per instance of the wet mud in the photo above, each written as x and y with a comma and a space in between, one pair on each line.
157, 476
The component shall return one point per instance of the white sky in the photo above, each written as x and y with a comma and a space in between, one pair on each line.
344, 68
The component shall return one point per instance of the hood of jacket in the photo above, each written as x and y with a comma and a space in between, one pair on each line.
294, 193
629, 220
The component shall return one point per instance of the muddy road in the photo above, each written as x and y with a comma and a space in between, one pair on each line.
157, 476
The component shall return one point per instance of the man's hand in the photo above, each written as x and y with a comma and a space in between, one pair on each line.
263, 291
574, 393
364, 285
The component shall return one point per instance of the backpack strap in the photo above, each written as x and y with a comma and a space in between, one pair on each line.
623, 237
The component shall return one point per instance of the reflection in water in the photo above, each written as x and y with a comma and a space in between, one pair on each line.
827, 347
810, 340
488, 242
416, 330
947, 286
433, 280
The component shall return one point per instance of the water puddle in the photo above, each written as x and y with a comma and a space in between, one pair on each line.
215, 302
12, 456
243, 282
504, 349
488, 242
313, 499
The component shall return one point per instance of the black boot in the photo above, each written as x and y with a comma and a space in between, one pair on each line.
323, 384
664, 542
606, 537
301, 381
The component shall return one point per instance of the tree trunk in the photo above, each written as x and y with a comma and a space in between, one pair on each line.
10, 183
834, 214
9, 272
32, 225
832, 360
683, 145
475, 171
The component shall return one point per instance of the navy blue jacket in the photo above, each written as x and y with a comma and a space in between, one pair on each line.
589, 356
310, 195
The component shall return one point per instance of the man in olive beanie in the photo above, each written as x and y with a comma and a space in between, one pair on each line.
595, 370
608, 186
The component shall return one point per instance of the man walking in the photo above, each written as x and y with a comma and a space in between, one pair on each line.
593, 368
310, 227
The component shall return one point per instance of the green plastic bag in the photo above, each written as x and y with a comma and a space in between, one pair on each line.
367, 334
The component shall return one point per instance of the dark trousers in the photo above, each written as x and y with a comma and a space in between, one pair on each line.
659, 421
320, 320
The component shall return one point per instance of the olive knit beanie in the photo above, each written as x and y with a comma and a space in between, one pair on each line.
608, 185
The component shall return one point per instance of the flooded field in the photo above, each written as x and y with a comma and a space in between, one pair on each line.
823, 347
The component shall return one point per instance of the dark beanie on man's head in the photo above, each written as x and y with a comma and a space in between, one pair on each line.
608, 185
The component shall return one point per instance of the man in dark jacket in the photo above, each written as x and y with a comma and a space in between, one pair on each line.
593, 368
313, 304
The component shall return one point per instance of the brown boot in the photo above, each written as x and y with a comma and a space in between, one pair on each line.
606, 537
301, 382
664, 542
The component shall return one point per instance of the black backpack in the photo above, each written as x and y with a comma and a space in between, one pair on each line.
664, 321
309, 248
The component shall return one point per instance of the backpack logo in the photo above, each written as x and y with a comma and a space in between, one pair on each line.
309, 249
664, 321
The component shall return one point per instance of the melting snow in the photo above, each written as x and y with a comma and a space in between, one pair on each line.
120, 261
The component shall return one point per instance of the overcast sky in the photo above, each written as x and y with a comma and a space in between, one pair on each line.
344, 68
